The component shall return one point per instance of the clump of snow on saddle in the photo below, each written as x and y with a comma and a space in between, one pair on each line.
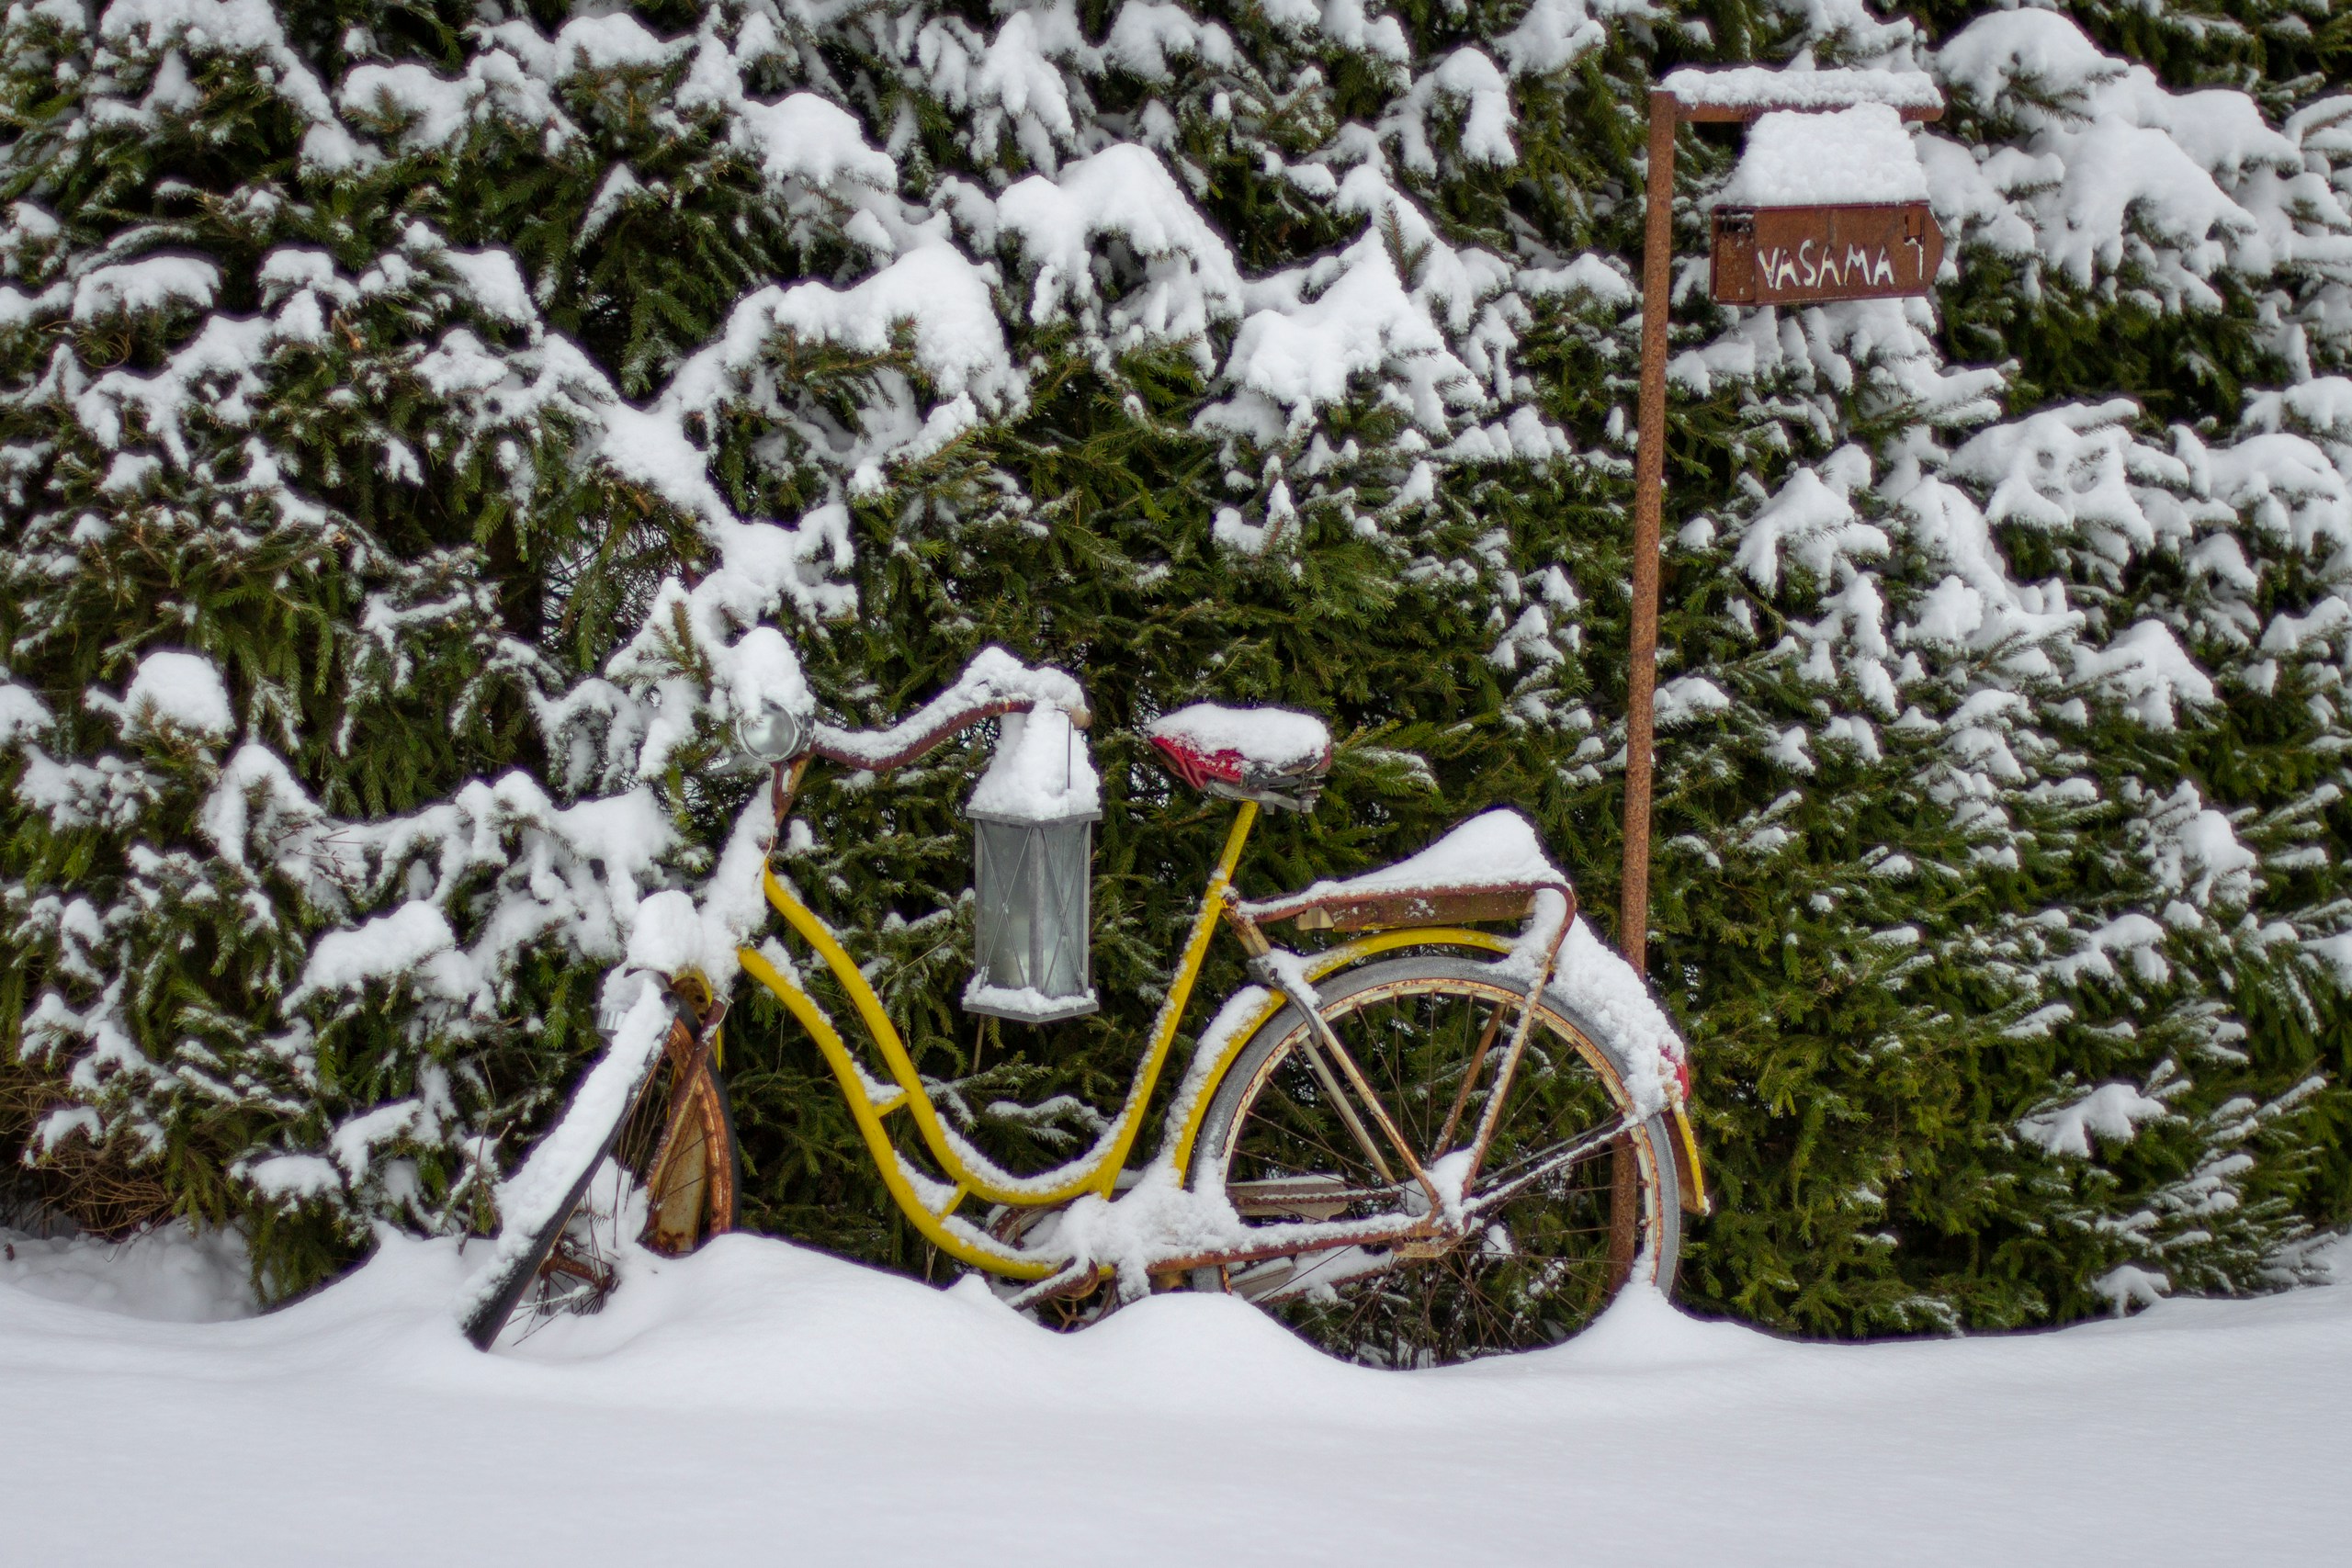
1858, 154
1279, 740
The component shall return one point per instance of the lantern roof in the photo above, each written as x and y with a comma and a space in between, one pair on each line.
1745, 91
1041, 772
1860, 155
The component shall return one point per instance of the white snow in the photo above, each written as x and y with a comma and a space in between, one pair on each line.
666, 934
2110, 1113
1280, 739
1501, 849
1041, 771
1156, 1218
22, 714
1468, 78
148, 283
1148, 33
610, 42
1755, 86
1685, 698
805, 137
1813, 519
1025, 1001
2096, 174
432, 112
1600, 986
1554, 33
862, 1417
411, 936
495, 281
1859, 154
1493, 849
169, 1274
1124, 190
172, 688
993, 676
528, 1202
2148, 671
1313, 328
2112, 170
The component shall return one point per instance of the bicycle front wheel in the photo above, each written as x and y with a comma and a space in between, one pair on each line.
667, 1173
1574, 1196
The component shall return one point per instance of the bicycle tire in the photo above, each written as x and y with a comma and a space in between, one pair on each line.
1270, 1137
682, 1088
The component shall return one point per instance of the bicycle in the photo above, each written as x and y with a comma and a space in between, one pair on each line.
1426, 1141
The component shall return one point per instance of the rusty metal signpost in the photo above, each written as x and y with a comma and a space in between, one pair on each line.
1762, 256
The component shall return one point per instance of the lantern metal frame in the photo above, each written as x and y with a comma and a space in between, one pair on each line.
1048, 868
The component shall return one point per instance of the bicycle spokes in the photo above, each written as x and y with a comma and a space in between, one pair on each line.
1520, 1254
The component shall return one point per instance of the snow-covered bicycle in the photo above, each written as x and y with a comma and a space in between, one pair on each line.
1422, 1141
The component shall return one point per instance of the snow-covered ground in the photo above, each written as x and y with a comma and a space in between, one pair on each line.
761, 1402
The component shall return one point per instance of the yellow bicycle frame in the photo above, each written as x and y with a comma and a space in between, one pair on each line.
1098, 1172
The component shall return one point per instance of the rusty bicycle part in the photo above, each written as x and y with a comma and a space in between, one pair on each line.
672, 1177
680, 1140
1547, 1230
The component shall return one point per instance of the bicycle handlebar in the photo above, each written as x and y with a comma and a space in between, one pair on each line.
866, 749
993, 685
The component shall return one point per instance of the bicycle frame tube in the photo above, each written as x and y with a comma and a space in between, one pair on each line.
959, 1239
1329, 961
1098, 1171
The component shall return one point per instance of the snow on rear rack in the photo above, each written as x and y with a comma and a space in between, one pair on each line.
1489, 868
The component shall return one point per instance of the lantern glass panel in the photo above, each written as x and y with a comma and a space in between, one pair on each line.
1033, 923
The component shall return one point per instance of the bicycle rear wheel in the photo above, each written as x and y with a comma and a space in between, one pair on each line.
669, 1176
1545, 1255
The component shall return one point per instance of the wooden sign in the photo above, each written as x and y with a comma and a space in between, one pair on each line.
1812, 255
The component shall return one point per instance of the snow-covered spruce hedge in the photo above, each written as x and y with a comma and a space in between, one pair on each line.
426, 427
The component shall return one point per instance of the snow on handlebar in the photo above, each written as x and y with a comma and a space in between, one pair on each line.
994, 683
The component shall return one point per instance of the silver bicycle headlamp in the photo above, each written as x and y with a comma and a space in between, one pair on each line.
774, 734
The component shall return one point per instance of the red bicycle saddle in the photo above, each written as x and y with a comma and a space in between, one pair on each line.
1273, 756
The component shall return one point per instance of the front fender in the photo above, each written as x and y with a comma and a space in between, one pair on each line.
1693, 1179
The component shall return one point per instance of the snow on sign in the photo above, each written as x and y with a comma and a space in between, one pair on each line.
1809, 255
1828, 204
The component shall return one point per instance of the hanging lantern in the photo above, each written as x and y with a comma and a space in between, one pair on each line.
1033, 872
